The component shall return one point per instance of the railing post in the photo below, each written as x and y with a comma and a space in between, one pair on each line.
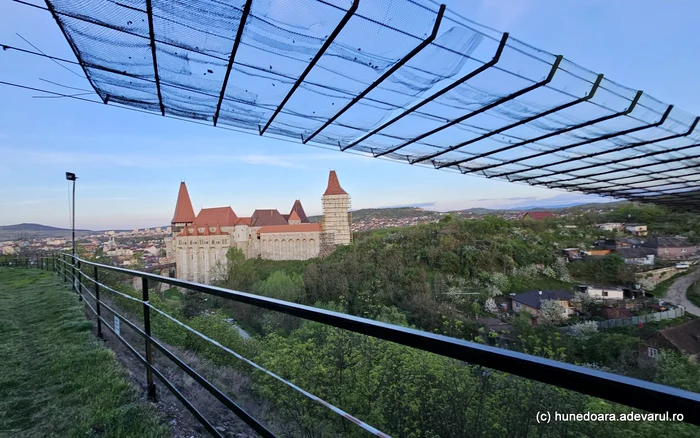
77, 278
97, 304
72, 258
64, 268
147, 328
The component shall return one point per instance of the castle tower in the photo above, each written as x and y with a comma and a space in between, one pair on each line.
184, 213
336, 211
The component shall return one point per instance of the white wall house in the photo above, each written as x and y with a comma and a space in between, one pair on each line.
603, 292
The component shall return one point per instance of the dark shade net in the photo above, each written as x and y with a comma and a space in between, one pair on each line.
398, 79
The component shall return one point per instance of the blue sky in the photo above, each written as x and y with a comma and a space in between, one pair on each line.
130, 164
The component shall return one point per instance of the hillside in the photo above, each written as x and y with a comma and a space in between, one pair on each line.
32, 231
370, 218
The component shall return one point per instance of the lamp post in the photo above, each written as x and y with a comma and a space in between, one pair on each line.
71, 177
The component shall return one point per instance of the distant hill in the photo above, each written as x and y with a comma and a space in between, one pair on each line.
414, 212
32, 231
387, 213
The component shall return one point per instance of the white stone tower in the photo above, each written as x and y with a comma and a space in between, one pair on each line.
336, 211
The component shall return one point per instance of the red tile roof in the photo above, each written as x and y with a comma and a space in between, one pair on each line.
263, 218
299, 228
184, 213
223, 215
333, 185
299, 211
243, 221
294, 216
538, 215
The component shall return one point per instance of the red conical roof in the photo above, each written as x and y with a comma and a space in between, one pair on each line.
334, 186
206, 229
184, 213
294, 216
299, 210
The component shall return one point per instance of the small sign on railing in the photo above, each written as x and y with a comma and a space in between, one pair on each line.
116, 326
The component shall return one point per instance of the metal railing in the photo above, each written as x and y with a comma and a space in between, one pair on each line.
648, 396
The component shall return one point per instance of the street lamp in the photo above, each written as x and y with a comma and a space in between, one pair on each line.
71, 177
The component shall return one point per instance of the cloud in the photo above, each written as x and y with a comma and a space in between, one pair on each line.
416, 205
167, 161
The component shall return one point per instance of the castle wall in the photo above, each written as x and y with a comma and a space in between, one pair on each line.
290, 246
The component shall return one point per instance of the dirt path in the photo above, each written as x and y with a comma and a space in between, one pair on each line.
676, 293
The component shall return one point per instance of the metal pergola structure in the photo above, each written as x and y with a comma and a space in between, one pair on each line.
405, 80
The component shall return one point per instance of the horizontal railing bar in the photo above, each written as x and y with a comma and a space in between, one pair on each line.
110, 289
210, 428
333, 408
632, 392
223, 398
312, 397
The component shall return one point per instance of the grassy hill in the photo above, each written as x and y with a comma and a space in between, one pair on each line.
56, 378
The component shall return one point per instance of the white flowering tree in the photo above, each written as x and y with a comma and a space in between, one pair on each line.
583, 330
490, 306
551, 313
561, 270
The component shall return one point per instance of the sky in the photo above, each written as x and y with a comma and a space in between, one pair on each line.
130, 164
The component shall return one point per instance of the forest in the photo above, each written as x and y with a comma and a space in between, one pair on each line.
440, 278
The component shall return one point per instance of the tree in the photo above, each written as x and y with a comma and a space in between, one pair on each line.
490, 306
551, 313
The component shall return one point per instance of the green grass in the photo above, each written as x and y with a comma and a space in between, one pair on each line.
56, 378
693, 293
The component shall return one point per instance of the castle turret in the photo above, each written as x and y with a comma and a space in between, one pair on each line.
336, 211
184, 213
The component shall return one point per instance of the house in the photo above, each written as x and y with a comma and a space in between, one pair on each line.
684, 339
637, 256
671, 248
538, 215
636, 229
611, 226
531, 301
618, 243
597, 252
603, 292
572, 253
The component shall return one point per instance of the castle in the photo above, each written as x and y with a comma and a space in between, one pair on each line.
199, 243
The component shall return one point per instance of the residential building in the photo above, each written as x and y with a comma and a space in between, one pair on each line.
684, 339
636, 229
538, 215
531, 301
199, 243
637, 256
600, 292
672, 248
611, 226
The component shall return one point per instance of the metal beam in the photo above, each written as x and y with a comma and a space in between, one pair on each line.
652, 164
624, 189
588, 96
510, 97
232, 58
448, 88
660, 176
386, 74
620, 160
152, 37
582, 143
550, 134
350, 12
608, 151
82, 64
